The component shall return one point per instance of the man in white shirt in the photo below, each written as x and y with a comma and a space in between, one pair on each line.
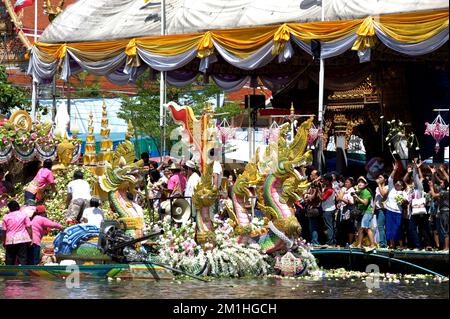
93, 215
217, 175
78, 196
193, 180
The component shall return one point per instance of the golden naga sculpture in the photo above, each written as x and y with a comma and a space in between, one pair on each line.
205, 196
120, 178
279, 180
51, 10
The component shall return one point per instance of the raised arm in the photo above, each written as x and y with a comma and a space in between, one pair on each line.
433, 192
417, 181
409, 171
391, 177
444, 172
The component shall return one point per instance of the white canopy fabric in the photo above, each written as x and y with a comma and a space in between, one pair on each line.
100, 20
120, 39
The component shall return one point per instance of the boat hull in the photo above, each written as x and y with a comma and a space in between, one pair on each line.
387, 260
122, 271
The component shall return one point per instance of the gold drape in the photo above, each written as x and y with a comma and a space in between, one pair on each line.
243, 42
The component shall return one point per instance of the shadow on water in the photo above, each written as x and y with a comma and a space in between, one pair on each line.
271, 288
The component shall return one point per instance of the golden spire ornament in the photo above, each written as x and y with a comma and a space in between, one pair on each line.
106, 145
90, 153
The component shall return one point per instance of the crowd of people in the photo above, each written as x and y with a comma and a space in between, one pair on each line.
408, 208
401, 210
24, 227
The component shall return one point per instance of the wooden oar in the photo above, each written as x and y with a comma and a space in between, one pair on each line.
179, 271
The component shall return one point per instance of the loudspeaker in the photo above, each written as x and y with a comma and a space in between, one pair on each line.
181, 210
257, 101
178, 208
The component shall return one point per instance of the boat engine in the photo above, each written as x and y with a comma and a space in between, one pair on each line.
114, 242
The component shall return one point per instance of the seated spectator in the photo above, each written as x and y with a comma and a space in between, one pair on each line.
93, 215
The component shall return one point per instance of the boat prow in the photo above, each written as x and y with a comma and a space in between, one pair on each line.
122, 271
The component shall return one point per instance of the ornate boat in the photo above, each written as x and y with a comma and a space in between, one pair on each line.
122, 271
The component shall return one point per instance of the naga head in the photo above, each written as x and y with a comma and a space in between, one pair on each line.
292, 158
249, 178
121, 177
290, 226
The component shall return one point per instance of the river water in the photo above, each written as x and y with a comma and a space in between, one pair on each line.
271, 288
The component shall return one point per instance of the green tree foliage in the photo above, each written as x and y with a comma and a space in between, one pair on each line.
85, 86
11, 96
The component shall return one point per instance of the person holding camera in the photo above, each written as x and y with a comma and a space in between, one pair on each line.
381, 193
313, 202
345, 203
328, 205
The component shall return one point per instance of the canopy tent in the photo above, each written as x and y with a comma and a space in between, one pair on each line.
120, 38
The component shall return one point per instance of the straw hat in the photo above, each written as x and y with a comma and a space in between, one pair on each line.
174, 166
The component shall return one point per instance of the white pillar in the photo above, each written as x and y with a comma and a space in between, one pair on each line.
321, 91
35, 20
162, 87
34, 84
33, 100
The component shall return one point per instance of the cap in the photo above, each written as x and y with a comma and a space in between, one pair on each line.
40, 209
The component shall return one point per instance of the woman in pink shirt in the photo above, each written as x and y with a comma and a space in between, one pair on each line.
177, 182
44, 178
16, 234
40, 224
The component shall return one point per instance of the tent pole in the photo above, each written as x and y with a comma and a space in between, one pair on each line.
33, 99
162, 88
34, 94
321, 91
54, 99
